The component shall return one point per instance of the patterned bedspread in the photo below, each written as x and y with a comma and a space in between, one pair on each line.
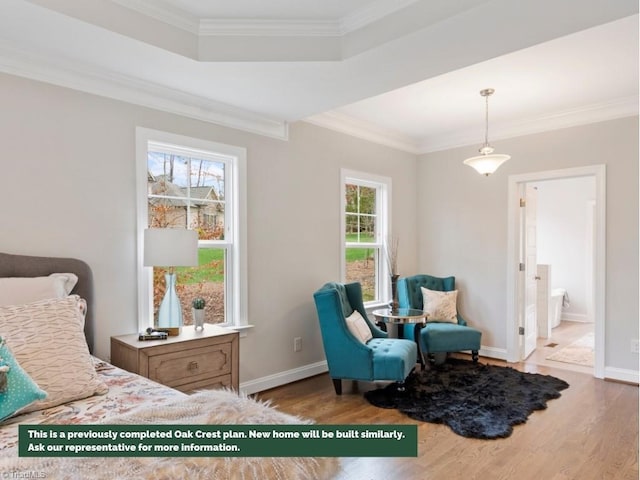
136, 400
126, 392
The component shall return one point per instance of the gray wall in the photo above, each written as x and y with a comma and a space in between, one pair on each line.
69, 189
463, 224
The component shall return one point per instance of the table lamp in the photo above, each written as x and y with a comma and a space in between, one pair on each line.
170, 247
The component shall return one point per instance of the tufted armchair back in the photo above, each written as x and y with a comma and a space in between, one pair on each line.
410, 295
347, 357
345, 298
380, 358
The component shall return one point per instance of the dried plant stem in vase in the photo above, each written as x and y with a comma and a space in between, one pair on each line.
391, 251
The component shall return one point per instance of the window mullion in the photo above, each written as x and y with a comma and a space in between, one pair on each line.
189, 201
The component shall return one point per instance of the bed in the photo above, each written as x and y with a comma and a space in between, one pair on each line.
110, 395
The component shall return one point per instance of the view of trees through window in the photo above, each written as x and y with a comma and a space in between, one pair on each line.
189, 192
362, 251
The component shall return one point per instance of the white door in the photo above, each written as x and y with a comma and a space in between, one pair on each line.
529, 275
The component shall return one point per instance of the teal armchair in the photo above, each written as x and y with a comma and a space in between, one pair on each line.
438, 337
348, 358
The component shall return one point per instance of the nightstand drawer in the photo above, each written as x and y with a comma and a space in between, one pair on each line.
193, 360
184, 367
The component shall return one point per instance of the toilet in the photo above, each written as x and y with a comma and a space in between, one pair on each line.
555, 310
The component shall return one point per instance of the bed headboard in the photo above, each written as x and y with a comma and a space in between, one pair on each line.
29, 266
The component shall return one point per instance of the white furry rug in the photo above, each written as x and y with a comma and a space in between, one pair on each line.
206, 407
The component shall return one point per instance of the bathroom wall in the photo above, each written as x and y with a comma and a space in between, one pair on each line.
564, 235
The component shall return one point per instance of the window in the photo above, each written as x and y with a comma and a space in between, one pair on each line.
199, 185
365, 219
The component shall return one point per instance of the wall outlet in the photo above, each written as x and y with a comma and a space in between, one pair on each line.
297, 344
635, 346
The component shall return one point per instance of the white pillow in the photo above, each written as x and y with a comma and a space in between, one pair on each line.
48, 342
358, 327
68, 281
21, 290
440, 306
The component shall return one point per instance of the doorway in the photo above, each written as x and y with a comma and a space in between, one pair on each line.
564, 272
517, 348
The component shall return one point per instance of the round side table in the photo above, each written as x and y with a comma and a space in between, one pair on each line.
400, 317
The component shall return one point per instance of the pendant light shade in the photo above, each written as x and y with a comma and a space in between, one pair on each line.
487, 162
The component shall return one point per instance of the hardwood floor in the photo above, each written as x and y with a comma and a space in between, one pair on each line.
590, 432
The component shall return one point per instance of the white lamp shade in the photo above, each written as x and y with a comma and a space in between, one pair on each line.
486, 164
170, 247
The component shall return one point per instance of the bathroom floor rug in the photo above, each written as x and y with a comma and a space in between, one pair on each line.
580, 352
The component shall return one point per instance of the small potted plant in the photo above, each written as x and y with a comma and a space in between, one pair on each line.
198, 312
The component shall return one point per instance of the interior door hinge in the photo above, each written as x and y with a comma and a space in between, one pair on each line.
521, 267
523, 202
520, 330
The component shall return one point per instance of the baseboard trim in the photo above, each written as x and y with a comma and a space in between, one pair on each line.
622, 375
574, 317
282, 378
488, 352
493, 352
300, 373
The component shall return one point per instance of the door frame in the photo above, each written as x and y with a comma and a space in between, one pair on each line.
599, 252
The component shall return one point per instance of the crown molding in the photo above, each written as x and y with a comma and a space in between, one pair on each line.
372, 13
584, 115
600, 112
164, 13
342, 123
139, 92
275, 28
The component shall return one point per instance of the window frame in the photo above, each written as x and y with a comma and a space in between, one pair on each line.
235, 159
382, 185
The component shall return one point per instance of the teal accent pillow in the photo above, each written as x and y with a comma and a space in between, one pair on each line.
17, 389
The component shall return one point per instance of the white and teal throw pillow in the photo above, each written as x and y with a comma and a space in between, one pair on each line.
17, 389
440, 306
358, 327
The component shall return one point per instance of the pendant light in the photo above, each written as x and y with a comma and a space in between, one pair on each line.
487, 162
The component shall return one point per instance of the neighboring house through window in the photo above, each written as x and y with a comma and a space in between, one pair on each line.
190, 183
365, 227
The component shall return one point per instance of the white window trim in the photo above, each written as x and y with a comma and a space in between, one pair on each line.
238, 270
383, 212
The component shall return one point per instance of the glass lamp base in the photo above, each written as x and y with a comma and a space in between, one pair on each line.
170, 312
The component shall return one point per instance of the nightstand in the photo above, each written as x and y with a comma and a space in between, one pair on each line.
190, 361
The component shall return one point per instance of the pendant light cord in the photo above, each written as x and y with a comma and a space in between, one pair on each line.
486, 121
